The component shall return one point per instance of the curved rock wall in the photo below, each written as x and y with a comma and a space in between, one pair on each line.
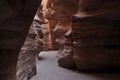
97, 45
94, 43
15, 19
26, 66
60, 12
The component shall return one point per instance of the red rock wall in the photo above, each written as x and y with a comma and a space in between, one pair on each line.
60, 12
94, 44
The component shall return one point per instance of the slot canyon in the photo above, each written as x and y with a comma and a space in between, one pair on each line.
82, 35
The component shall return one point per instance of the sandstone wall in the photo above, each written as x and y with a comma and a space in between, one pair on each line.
15, 19
88, 39
96, 43
59, 14
26, 66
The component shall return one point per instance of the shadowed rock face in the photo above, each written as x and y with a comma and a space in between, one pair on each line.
96, 46
15, 19
94, 43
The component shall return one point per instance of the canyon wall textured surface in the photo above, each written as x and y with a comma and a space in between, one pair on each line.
59, 14
29, 53
87, 32
15, 19
89, 39
96, 42
26, 66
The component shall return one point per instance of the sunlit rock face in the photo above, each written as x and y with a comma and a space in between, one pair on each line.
26, 66
38, 22
15, 18
60, 12
96, 42
47, 27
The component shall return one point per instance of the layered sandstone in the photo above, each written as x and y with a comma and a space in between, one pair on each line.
94, 43
96, 46
60, 12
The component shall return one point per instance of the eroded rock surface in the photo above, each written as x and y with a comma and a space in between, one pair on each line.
26, 66
94, 44
60, 11
15, 18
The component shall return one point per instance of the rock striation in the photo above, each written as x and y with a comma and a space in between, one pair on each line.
96, 34
87, 32
60, 11
15, 18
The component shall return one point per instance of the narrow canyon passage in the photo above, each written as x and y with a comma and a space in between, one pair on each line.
48, 69
86, 34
